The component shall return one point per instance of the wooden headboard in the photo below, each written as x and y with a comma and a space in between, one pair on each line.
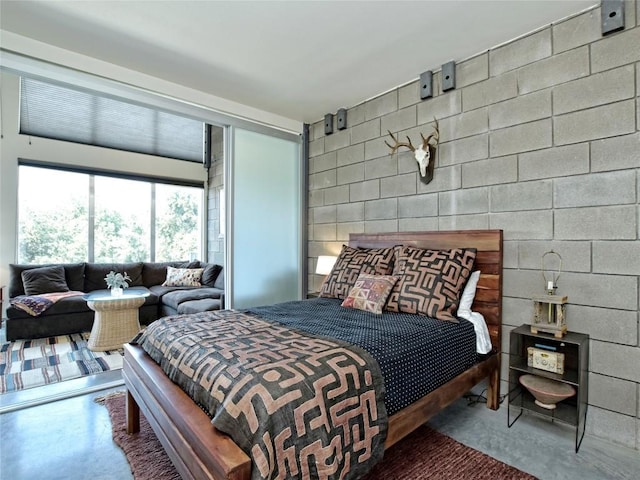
488, 243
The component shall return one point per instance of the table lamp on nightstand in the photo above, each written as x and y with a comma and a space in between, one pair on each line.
325, 264
323, 267
549, 310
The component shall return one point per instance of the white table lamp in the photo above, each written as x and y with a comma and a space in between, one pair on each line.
325, 264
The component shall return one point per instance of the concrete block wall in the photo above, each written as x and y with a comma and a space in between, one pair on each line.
540, 138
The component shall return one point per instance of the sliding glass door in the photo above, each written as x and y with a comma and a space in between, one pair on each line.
264, 236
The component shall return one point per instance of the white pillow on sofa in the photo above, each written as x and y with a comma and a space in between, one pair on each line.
183, 277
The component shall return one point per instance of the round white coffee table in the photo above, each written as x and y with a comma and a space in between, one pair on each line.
116, 319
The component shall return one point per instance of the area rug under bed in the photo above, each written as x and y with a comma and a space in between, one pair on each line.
33, 363
425, 454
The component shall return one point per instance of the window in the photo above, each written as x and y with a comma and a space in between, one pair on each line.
122, 225
61, 113
125, 220
53, 216
178, 224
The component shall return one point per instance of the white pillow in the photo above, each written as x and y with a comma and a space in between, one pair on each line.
183, 277
469, 293
483, 340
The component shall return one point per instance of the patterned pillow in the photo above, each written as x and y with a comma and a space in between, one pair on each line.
183, 277
370, 292
352, 262
430, 281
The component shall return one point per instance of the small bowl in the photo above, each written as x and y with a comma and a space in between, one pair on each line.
547, 392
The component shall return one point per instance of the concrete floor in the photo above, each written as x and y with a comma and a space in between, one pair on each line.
67, 439
537, 446
70, 439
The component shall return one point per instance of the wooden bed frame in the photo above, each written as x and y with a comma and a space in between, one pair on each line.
199, 451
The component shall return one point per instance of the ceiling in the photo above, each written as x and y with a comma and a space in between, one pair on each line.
297, 59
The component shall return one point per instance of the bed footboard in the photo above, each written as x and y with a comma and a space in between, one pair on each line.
196, 448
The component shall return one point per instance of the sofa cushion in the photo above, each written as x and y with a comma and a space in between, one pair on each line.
73, 273
210, 274
176, 298
37, 281
219, 283
154, 273
197, 306
151, 299
65, 306
94, 274
161, 291
183, 277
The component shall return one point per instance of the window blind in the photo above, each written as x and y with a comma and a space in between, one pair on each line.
53, 111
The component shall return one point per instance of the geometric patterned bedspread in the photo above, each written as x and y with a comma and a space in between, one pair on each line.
301, 406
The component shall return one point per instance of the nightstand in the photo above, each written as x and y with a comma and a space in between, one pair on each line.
575, 348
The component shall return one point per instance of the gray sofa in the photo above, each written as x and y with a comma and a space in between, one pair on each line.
72, 314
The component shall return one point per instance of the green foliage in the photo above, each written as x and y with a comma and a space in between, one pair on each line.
119, 236
54, 237
177, 230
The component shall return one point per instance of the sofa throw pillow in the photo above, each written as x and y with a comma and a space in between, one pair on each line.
350, 264
73, 274
370, 292
430, 281
219, 283
210, 273
37, 281
183, 277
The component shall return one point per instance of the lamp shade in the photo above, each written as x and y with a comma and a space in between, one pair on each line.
325, 264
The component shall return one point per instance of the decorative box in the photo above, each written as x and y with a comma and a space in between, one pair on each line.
545, 360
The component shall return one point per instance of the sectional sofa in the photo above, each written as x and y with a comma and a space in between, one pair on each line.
72, 314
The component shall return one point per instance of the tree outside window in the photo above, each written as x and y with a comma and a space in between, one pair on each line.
178, 232
122, 220
54, 219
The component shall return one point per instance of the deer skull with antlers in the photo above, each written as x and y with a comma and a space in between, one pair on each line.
422, 154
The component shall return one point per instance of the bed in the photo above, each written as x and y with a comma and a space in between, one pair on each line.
199, 451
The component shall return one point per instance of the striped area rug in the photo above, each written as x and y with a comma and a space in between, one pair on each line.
42, 361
